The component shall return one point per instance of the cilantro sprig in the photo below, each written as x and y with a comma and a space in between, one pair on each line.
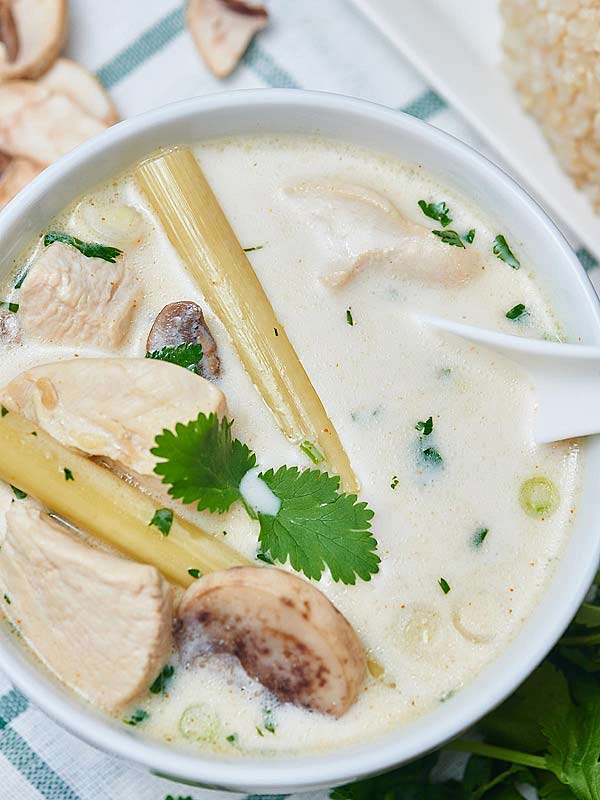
502, 251
185, 355
438, 211
88, 249
316, 526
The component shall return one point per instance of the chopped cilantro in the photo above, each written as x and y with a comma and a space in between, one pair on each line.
349, 317
195, 573
3, 410
21, 279
162, 519
18, 493
438, 211
259, 731
185, 355
431, 455
504, 253
68, 474
203, 463
139, 715
264, 557
252, 249
312, 451
516, 312
269, 720
316, 526
88, 249
478, 537
425, 427
12, 307
7, 599
444, 585
232, 738
163, 679
394, 482
450, 237
469, 236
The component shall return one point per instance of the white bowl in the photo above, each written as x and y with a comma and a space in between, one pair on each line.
373, 126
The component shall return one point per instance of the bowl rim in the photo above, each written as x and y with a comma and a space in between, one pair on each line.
305, 771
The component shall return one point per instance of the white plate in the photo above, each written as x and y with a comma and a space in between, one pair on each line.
455, 45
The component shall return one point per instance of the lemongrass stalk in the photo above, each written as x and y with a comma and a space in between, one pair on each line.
198, 229
102, 504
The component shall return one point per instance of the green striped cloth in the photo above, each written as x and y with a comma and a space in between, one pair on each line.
141, 52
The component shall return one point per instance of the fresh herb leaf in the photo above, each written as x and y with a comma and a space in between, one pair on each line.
195, 573
18, 493
68, 474
438, 211
12, 307
394, 482
431, 456
269, 723
252, 249
88, 249
349, 317
312, 451
185, 355
3, 411
469, 236
478, 537
203, 463
232, 738
317, 527
163, 520
450, 237
425, 427
139, 715
259, 731
444, 585
165, 676
7, 599
264, 557
588, 616
516, 311
504, 253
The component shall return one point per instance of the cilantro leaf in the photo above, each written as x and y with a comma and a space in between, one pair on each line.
162, 519
88, 249
164, 677
438, 211
516, 312
18, 493
139, 715
185, 355
469, 236
504, 253
317, 527
450, 237
203, 463
425, 427
588, 616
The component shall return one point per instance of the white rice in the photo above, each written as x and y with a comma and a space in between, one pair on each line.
552, 50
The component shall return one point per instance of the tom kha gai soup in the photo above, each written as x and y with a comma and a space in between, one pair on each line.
250, 504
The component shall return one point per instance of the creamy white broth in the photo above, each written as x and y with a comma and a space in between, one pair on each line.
377, 378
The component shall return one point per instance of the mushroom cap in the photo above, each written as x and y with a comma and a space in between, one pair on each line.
284, 631
37, 31
223, 29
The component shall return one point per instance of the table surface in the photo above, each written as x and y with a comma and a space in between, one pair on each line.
142, 53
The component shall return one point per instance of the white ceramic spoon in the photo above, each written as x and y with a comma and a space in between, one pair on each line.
566, 377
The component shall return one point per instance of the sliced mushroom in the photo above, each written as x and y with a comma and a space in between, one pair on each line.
101, 623
32, 34
68, 298
111, 407
15, 173
42, 120
223, 29
183, 323
358, 228
285, 632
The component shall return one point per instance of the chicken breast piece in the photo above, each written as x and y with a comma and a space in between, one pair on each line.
68, 298
112, 407
359, 229
101, 623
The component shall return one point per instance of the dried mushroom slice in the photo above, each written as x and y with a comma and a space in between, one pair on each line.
43, 120
223, 29
32, 34
183, 323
